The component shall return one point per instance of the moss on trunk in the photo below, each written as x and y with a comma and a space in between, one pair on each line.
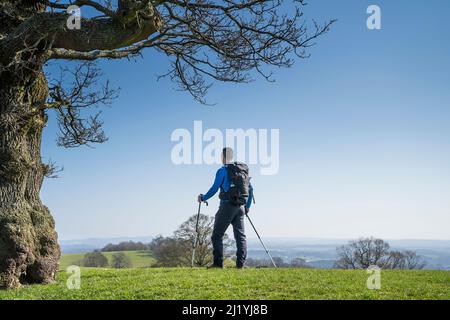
29, 251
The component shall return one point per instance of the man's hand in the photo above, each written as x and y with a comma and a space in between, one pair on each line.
199, 198
247, 210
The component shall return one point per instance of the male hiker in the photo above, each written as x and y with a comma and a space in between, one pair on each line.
236, 195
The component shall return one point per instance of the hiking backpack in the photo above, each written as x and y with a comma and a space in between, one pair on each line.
239, 184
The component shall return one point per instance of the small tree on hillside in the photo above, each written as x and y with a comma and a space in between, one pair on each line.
405, 260
413, 260
363, 253
366, 252
176, 251
203, 252
169, 251
95, 260
120, 260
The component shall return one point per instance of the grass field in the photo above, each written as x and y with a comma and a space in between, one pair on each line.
185, 283
139, 259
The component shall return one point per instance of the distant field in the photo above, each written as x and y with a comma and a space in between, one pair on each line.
186, 283
139, 259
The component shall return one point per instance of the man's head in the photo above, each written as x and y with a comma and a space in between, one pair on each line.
227, 155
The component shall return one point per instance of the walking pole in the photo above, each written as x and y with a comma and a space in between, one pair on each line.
196, 234
267, 251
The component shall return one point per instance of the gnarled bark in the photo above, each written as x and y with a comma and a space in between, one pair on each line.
29, 251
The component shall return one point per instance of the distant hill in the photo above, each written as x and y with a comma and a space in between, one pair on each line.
90, 244
322, 264
319, 253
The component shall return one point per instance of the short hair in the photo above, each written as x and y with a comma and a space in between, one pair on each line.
227, 154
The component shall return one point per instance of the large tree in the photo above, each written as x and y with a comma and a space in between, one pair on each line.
223, 40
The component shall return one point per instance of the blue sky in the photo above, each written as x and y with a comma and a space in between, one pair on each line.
364, 137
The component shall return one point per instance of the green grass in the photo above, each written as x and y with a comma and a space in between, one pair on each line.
139, 259
185, 283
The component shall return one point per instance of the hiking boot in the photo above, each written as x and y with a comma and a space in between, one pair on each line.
214, 266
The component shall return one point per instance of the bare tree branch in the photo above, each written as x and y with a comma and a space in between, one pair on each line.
47, 30
212, 40
205, 41
70, 98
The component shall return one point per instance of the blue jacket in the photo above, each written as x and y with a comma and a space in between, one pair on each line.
223, 182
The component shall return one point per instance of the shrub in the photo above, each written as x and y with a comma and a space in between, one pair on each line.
120, 261
94, 259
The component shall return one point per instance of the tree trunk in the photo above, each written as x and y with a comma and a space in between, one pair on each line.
29, 251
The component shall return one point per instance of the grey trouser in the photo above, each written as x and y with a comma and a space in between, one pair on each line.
234, 215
